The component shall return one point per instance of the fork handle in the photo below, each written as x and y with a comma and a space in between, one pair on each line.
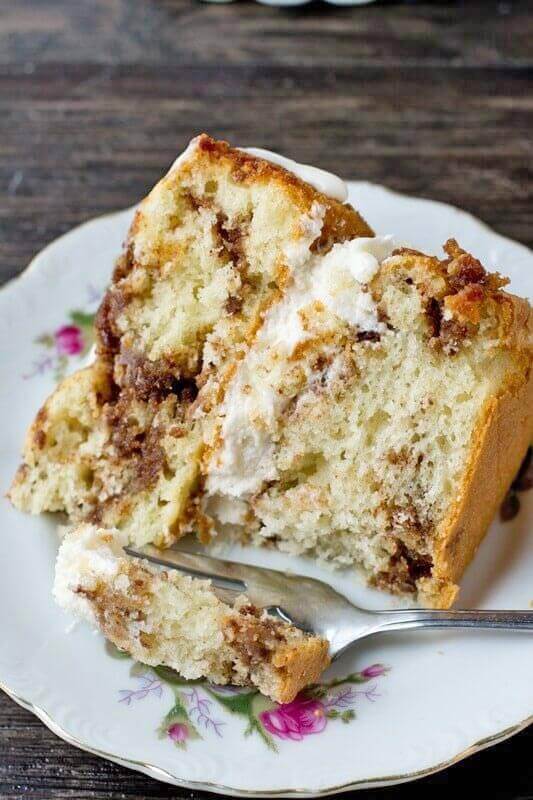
368, 623
427, 618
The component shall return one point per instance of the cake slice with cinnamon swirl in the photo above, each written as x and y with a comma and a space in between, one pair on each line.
268, 367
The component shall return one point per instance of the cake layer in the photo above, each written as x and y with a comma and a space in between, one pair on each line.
165, 618
211, 248
379, 416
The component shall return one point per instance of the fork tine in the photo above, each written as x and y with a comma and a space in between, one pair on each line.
308, 603
316, 607
224, 574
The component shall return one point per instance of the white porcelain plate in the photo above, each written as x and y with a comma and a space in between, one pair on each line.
390, 710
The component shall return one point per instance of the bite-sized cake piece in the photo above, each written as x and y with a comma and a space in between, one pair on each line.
211, 248
165, 618
379, 415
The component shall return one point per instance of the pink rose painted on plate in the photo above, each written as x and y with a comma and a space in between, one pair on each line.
373, 671
69, 340
295, 720
63, 347
193, 712
179, 732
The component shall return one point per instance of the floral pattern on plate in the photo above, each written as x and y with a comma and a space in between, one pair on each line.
197, 703
71, 340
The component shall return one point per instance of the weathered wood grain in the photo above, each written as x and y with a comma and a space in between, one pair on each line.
79, 140
98, 96
163, 32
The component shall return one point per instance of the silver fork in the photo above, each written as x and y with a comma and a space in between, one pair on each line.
314, 606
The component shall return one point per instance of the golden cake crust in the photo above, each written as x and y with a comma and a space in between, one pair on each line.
500, 442
341, 220
299, 666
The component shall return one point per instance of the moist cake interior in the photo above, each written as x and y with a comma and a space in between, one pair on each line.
364, 435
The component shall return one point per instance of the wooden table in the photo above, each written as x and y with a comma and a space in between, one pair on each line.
98, 96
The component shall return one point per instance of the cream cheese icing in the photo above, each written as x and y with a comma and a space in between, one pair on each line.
322, 181
325, 182
252, 405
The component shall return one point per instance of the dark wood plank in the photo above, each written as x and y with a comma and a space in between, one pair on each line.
96, 138
164, 32
98, 96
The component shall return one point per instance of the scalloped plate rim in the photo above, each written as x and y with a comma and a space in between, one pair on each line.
158, 773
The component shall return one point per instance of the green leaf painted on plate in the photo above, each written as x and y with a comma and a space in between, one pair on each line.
235, 703
46, 339
82, 318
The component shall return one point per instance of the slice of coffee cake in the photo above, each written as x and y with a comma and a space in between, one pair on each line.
379, 416
211, 248
267, 365
164, 618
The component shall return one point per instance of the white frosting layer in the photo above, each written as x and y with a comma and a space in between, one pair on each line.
337, 281
187, 153
322, 181
83, 557
297, 251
